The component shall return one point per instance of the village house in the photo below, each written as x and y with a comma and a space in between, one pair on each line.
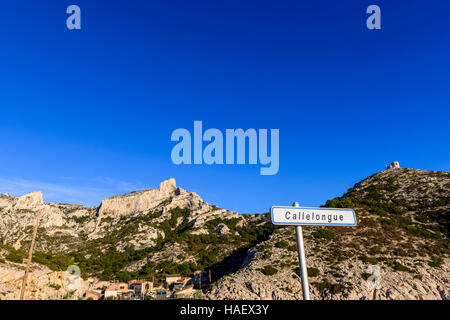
186, 292
181, 283
110, 292
141, 287
161, 294
171, 278
117, 290
184, 288
175, 286
92, 295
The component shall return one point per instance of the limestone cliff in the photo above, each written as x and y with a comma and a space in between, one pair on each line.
138, 201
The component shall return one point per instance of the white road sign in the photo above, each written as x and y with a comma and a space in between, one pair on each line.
312, 216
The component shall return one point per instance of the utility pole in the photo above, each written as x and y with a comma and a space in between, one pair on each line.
30, 255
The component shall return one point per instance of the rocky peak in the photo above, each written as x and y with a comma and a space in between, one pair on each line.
30, 201
139, 201
402, 231
168, 186
410, 188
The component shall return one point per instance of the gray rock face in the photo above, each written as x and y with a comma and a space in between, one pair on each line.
222, 229
163, 199
250, 282
31, 201
138, 201
18, 216
43, 283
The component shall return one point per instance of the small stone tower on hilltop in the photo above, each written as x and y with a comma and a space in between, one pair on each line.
393, 165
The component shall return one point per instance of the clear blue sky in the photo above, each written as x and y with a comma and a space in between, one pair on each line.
88, 114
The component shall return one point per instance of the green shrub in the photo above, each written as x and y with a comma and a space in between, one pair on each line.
365, 275
323, 233
340, 203
81, 219
267, 254
124, 276
372, 260
55, 262
282, 244
54, 286
397, 266
313, 272
16, 256
198, 294
354, 245
435, 262
268, 270
333, 288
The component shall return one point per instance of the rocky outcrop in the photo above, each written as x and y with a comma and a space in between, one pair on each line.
30, 201
42, 284
163, 199
18, 217
138, 201
222, 229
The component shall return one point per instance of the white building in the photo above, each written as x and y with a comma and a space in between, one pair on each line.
110, 293
171, 278
393, 165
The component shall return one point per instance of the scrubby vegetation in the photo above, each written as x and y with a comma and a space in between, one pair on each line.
326, 287
313, 272
282, 244
14, 255
56, 262
269, 270
102, 257
385, 215
324, 233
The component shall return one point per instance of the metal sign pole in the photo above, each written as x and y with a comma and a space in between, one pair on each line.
302, 259
294, 215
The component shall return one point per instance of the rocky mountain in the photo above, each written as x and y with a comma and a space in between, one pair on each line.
403, 228
136, 235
